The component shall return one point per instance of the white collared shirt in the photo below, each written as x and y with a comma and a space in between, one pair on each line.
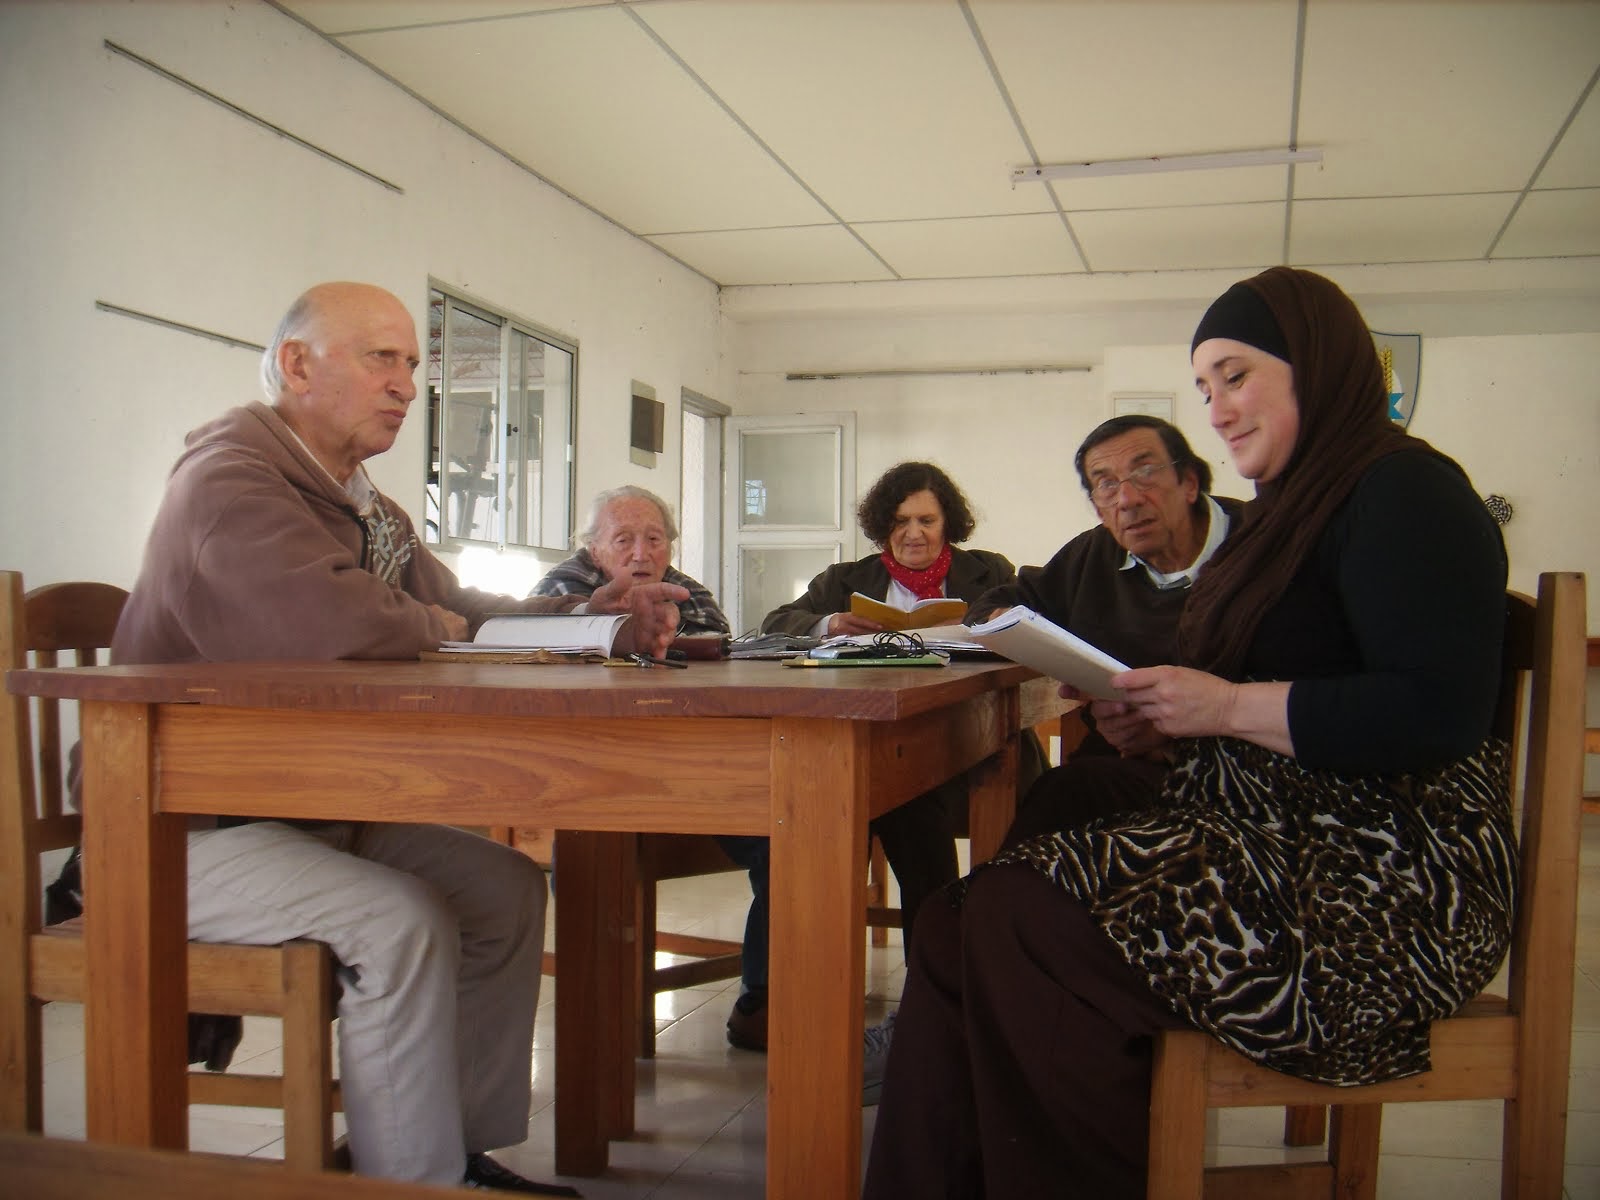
1216, 531
359, 489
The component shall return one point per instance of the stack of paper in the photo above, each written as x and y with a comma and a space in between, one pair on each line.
771, 645
1023, 636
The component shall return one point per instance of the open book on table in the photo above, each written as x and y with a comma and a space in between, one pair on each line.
940, 610
567, 634
1023, 636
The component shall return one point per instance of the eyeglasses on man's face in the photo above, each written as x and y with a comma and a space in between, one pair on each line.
1105, 491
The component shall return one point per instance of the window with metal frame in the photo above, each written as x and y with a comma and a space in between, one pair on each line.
502, 411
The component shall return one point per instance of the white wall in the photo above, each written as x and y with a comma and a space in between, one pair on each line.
1521, 412
1005, 439
121, 186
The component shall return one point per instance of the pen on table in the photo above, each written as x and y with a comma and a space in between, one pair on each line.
644, 660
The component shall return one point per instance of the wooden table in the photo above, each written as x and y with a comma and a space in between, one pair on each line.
41, 1168
804, 756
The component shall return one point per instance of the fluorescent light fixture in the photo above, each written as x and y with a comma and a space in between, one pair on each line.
1171, 162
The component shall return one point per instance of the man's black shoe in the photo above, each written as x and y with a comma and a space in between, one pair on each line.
485, 1172
747, 1023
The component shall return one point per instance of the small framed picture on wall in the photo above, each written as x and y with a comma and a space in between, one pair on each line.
1145, 404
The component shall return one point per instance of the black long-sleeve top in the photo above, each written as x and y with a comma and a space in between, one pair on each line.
1391, 629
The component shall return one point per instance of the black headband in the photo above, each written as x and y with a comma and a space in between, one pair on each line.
1241, 315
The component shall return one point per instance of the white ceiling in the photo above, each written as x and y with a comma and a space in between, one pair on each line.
816, 141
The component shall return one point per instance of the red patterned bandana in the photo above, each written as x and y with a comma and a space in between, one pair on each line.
924, 584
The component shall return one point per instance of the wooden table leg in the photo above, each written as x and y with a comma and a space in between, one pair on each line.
992, 789
621, 880
595, 1025
135, 898
818, 973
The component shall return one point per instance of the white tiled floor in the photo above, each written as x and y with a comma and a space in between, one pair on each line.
701, 1107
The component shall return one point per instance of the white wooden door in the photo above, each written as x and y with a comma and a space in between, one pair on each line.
788, 508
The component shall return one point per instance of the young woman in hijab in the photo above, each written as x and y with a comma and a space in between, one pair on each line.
1329, 863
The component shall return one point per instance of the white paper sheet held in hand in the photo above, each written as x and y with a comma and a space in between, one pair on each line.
1023, 636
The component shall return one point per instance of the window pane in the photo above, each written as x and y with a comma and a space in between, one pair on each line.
692, 508
523, 438
790, 480
774, 575
501, 412
472, 414
430, 515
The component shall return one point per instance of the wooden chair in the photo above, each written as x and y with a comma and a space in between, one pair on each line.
1591, 735
665, 856
1514, 1049
1591, 745
661, 856
37, 965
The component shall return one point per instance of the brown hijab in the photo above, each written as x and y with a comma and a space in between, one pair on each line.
1344, 429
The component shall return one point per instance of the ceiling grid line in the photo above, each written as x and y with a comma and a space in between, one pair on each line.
1533, 177
1022, 130
716, 99
416, 94
1294, 125
245, 114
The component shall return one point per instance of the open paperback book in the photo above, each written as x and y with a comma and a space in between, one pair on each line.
1023, 636
939, 610
574, 634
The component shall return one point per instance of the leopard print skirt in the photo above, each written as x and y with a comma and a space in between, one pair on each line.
1314, 921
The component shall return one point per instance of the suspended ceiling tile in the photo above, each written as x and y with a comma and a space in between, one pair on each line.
1031, 244
1397, 229
1552, 224
886, 110
1129, 80
1224, 235
813, 254
589, 101
1576, 161
1424, 98
334, 17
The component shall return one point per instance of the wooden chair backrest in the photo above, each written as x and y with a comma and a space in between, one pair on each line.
1516, 1049
1545, 646
63, 624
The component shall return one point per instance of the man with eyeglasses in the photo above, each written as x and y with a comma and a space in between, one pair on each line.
1122, 584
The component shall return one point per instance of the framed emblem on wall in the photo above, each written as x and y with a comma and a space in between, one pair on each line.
1400, 355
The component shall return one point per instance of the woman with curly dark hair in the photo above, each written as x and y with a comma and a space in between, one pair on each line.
913, 514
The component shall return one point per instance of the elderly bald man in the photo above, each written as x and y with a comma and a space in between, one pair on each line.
272, 542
